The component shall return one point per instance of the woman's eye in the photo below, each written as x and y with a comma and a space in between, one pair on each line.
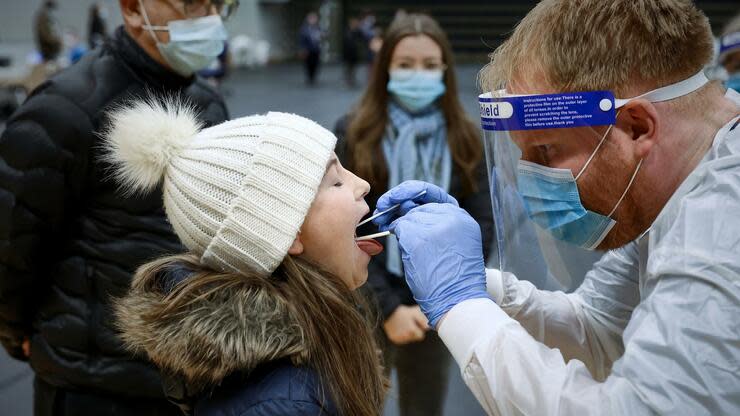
338, 184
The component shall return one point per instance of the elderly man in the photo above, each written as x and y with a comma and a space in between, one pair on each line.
653, 177
70, 240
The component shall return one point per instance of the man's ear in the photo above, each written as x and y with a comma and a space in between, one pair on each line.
296, 249
639, 120
131, 13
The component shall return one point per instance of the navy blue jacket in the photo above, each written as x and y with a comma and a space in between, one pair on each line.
277, 388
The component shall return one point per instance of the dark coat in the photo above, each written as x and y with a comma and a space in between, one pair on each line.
276, 388
309, 38
354, 46
69, 240
251, 340
390, 290
48, 38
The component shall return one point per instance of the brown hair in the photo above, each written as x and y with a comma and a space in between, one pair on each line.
300, 312
370, 118
593, 45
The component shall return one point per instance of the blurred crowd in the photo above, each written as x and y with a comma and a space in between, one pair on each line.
408, 124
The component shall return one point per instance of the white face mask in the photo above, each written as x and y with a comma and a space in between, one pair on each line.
194, 43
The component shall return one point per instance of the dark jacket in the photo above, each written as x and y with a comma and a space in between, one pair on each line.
251, 342
69, 240
48, 38
354, 46
276, 388
390, 290
309, 38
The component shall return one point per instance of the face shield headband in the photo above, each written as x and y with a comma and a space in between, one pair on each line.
551, 195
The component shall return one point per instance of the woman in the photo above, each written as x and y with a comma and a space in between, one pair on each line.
259, 317
410, 125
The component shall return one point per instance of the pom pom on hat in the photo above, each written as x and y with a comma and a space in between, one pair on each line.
144, 136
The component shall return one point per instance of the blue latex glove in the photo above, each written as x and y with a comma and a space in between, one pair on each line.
442, 257
405, 194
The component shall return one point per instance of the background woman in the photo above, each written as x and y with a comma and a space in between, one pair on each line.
410, 125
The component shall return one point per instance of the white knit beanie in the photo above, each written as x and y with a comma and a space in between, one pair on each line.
237, 193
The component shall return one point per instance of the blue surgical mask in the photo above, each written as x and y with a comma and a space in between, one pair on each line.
194, 43
733, 82
416, 90
552, 201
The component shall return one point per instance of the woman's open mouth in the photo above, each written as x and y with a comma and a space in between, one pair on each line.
370, 246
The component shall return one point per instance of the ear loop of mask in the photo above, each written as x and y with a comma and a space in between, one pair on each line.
149, 26
593, 154
632, 179
666, 93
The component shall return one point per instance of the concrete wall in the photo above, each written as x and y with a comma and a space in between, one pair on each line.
16, 17
271, 21
266, 21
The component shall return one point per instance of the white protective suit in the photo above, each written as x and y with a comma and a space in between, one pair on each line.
653, 329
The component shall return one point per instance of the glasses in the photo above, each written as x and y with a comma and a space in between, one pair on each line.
201, 8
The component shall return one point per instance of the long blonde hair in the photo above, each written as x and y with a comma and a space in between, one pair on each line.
313, 318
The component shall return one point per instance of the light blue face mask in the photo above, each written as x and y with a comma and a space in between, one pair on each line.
552, 201
194, 43
416, 90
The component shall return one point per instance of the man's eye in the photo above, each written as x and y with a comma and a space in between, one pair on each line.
338, 184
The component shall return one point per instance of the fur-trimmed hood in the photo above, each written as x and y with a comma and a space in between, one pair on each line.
224, 327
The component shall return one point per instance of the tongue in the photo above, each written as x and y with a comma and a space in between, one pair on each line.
371, 247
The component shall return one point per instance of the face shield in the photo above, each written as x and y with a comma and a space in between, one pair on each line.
541, 151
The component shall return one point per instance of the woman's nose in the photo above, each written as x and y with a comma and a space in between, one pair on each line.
364, 187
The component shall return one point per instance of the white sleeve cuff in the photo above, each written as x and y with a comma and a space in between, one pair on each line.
495, 285
469, 322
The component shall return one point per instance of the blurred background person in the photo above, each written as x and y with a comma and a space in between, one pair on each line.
399, 14
367, 24
97, 28
48, 35
729, 56
410, 124
310, 46
373, 48
219, 69
75, 49
353, 50
69, 239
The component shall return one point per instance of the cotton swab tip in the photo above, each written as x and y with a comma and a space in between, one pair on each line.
373, 236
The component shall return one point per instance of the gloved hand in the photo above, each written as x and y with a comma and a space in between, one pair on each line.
406, 195
442, 257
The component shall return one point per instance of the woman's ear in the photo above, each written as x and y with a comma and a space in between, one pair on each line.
639, 119
296, 249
